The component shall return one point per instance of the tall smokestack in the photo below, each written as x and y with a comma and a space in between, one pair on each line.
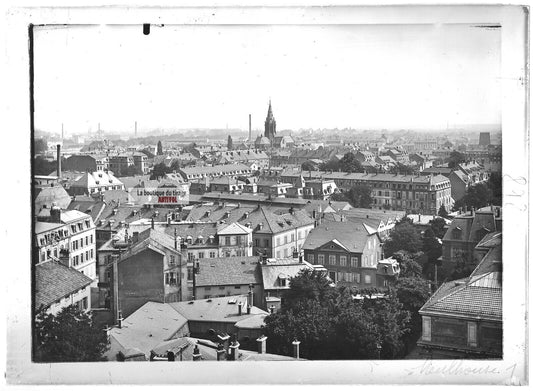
135, 128
249, 127
59, 160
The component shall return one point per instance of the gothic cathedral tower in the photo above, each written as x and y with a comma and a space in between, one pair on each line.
270, 124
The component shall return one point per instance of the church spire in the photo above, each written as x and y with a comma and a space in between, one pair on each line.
270, 123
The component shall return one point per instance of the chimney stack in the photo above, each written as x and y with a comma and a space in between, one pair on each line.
171, 356
120, 319
234, 350
296, 349
250, 127
240, 308
58, 147
153, 224
261, 344
221, 352
250, 295
223, 342
196, 356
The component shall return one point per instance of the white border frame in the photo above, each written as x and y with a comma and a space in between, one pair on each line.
510, 370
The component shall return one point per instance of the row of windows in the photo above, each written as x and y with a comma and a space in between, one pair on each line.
83, 257
332, 260
239, 240
351, 277
171, 278
76, 244
221, 288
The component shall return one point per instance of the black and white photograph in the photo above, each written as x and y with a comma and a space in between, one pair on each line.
277, 189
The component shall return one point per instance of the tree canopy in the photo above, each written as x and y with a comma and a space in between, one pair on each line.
69, 336
403, 169
404, 236
42, 166
455, 159
477, 196
360, 196
159, 171
348, 163
331, 324
438, 226
443, 212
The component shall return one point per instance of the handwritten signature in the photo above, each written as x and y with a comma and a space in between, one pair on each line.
459, 368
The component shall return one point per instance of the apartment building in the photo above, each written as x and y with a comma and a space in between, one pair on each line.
66, 236
412, 193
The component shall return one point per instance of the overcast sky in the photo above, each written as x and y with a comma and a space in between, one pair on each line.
321, 76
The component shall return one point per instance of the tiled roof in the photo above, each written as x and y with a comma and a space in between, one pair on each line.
215, 169
41, 227
271, 222
271, 272
228, 271
352, 236
149, 325
479, 295
396, 178
251, 198
88, 180
483, 299
234, 229
53, 281
217, 309
68, 216
492, 239
48, 195
93, 207
461, 224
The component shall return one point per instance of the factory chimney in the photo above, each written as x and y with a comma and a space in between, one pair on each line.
58, 160
249, 127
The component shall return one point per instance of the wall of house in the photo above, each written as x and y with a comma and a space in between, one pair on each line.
284, 243
458, 187
83, 253
450, 333
200, 329
239, 245
140, 279
206, 292
82, 298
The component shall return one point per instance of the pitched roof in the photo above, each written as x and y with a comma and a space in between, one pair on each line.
351, 235
396, 178
88, 180
47, 195
93, 207
461, 224
217, 309
286, 268
206, 170
149, 325
53, 281
261, 219
228, 271
235, 229
479, 295
482, 296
